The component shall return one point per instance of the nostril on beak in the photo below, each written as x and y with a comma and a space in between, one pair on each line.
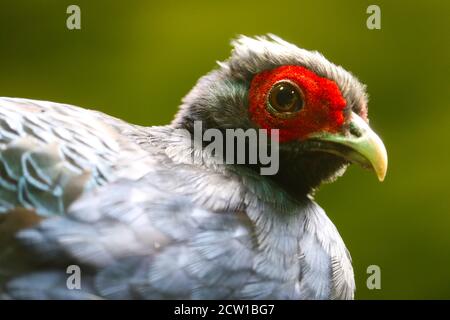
355, 131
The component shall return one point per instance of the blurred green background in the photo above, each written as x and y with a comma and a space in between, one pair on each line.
137, 59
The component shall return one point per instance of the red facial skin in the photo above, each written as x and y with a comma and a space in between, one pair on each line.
323, 108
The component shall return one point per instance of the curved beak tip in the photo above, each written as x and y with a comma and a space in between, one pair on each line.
381, 165
375, 153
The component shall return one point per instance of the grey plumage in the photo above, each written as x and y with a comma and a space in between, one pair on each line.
124, 203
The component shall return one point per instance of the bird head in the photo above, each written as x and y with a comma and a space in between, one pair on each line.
319, 108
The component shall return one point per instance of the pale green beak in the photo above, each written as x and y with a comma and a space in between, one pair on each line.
361, 145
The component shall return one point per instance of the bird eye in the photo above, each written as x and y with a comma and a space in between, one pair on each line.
285, 97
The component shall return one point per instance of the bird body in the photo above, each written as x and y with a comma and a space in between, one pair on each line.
142, 220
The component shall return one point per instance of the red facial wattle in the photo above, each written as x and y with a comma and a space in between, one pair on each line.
323, 108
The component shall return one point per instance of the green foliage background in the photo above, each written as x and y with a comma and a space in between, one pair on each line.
137, 59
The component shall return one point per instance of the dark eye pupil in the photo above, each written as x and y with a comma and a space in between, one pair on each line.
285, 97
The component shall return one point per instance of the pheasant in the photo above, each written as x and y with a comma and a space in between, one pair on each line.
127, 205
